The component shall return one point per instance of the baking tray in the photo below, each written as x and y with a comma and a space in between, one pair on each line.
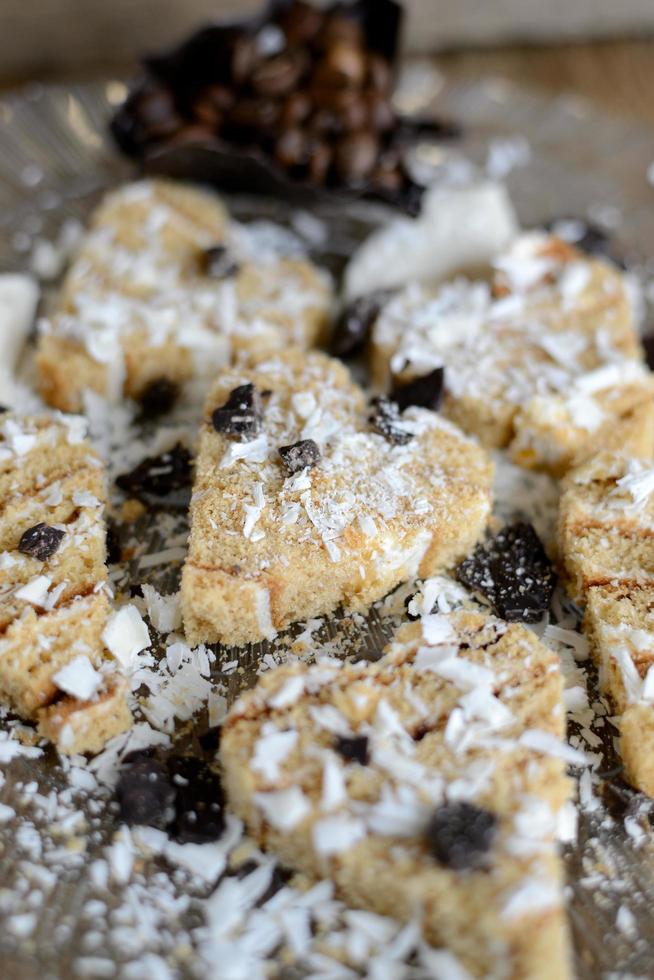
560, 158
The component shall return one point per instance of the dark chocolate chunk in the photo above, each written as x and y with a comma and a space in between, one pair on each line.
145, 792
407, 605
137, 755
40, 541
411, 128
199, 802
590, 238
408, 197
158, 113
595, 240
217, 263
421, 731
460, 835
179, 794
149, 115
356, 321
353, 748
648, 347
386, 421
241, 415
114, 551
210, 741
299, 455
158, 397
512, 571
3, 409
424, 392
159, 475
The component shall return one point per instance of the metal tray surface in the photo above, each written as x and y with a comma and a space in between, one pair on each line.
560, 158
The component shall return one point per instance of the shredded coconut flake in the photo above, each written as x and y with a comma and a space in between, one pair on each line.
78, 678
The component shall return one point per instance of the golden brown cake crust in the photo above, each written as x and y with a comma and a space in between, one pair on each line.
544, 358
606, 542
363, 825
268, 548
137, 304
54, 604
75, 726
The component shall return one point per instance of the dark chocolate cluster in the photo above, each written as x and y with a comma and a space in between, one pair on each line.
40, 541
308, 90
178, 794
461, 834
159, 475
513, 572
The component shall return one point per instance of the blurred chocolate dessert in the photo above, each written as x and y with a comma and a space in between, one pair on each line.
299, 96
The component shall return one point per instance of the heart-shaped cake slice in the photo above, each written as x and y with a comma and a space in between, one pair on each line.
428, 786
606, 518
543, 356
165, 288
307, 497
54, 589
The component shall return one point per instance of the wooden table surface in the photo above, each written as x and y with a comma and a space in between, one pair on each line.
617, 75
